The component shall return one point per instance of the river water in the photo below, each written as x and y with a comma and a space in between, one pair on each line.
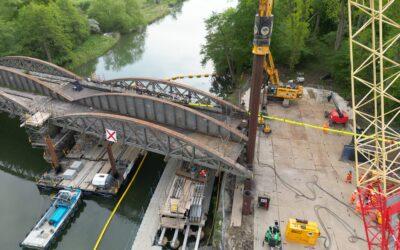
165, 48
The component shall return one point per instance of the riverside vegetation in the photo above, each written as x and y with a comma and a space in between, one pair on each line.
308, 35
71, 32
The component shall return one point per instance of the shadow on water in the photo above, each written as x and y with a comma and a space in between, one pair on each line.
16, 151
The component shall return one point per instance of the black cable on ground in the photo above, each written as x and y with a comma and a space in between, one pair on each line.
353, 238
327, 239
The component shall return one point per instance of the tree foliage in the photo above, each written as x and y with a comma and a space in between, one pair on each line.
229, 39
41, 32
291, 31
52, 29
116, 15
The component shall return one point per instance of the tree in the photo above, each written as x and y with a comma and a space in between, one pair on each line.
229, 39
8, 40
42, 34
9, 9
292, 30
75, 23
116, 15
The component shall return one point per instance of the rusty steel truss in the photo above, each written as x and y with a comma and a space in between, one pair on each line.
162, 112
175, 92
150, 137
374, 32
159, 125
15, 79
12, 107
36, 65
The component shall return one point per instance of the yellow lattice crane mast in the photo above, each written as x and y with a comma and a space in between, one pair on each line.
374, 34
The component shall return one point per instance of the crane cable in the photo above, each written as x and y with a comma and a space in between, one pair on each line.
105, 227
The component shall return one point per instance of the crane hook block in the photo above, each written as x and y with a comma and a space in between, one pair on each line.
263, 30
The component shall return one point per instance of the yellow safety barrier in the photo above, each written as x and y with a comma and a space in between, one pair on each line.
101, 235
308, 125
201, 105
323, 128
190, 76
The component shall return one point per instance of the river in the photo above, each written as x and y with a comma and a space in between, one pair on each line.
165, 48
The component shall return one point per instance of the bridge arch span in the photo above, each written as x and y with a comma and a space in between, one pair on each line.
157, 110
15, 79
13, 106
36, 65
175, 92
151, 137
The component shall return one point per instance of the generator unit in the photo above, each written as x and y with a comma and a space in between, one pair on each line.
302, 232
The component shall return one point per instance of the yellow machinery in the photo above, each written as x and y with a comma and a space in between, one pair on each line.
302, 232
275, 88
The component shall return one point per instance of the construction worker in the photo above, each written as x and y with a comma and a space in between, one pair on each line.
349, 177
203, 173
353, 197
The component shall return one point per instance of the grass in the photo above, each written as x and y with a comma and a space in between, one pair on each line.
152, 12
93, 47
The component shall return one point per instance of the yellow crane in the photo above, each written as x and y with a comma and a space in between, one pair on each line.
274, 88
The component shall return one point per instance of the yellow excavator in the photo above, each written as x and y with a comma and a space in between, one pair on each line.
274, 89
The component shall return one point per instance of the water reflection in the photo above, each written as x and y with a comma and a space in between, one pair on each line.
176, 9
172, 47
129, 50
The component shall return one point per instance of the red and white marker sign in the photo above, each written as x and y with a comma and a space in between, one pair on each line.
111, 135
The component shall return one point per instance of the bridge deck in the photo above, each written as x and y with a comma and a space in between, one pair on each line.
36, 103
155, 115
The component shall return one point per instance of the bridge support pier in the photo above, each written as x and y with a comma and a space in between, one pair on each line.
112, 160
52, 152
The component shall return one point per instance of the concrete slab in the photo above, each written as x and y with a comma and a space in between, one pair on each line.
145, 236
302, 156
236, 216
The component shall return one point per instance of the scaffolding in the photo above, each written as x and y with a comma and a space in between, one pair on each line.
374, 36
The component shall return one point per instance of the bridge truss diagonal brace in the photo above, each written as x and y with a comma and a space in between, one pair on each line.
175, 92
374, 41
11, 107
150, 137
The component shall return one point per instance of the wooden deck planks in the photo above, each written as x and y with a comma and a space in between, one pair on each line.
87, 182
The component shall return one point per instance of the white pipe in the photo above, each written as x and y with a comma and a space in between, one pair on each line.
186, 237
196, 247
160, 240
175, 237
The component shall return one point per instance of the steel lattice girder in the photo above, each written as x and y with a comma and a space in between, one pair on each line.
12, 107
164, 112
36, 65
14, 79
175, 92
151, 137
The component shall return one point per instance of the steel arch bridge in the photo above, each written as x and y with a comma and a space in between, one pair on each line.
151, 114
151, 137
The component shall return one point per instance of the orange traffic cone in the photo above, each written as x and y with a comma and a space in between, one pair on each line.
325, 127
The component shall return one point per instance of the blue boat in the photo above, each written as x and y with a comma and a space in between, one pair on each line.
50, 225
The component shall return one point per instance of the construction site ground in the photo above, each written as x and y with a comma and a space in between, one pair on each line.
293, 165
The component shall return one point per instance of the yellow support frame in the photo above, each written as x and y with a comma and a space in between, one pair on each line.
378, 72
